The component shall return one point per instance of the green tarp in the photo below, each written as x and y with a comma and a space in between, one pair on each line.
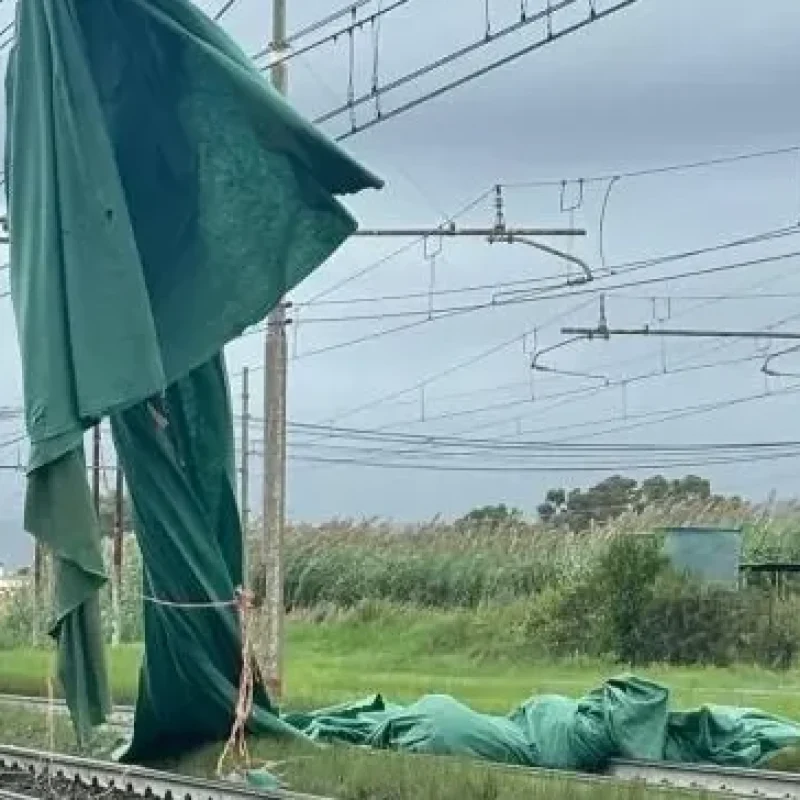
625, 717
161, 199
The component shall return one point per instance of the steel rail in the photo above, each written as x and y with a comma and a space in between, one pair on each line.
5, 794
38, 701
724, 781
132, 779
121, 715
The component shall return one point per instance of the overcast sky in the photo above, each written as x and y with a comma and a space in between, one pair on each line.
662, 82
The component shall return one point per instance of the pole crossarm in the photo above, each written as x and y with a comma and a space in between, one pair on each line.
505, 235
602, 332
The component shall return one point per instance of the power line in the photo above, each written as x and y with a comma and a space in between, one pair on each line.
550, 293
689, 411
377, 93
636, 266
612, 271
574, 461
664, 415
372, 266
642, 263
546, 446
623, 382
572, 395
648, 171
771, 372
417, 466
345, 30
225, 9
706, 299
576, 395
602, 332
559, 399
456, 367
440, 62
654, 417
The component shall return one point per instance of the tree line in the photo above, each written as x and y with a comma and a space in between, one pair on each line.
580, 509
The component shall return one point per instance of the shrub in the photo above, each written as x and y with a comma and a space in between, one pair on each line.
772, 637
566, 621
632, 606
687, 622
623, 580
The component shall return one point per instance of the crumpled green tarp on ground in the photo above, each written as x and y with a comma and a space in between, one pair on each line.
161, 199
626, 717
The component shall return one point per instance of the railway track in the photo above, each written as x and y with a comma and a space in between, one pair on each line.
6, 795
32, 774
120, 714
721, 781
35, 775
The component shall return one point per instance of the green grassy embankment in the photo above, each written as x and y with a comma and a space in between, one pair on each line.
404, 655
407, 654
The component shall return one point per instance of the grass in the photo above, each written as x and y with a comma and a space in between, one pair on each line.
407, 654
404, 655
347, 773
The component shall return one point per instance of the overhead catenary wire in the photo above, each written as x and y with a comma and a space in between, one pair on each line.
643, 264
689, 411
320, 24
418, 466
685, 333
684, 166
599, 178
426, 316
564, 399
559, 399
705, 300
615, 270
560, 448
770, 371
453, 368
555, 447
346, 30
480, 42
449, 86
372, 266
575, 462
225, 9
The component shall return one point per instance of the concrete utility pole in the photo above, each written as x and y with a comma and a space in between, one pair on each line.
116, 558
274, 496
244, 502
38, 583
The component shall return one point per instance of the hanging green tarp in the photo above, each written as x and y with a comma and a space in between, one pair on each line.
161, 199
177, 453
625, 717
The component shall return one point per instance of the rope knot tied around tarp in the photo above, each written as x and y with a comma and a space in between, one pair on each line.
244, 603
237, 741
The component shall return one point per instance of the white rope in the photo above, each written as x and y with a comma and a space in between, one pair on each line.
190, 604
